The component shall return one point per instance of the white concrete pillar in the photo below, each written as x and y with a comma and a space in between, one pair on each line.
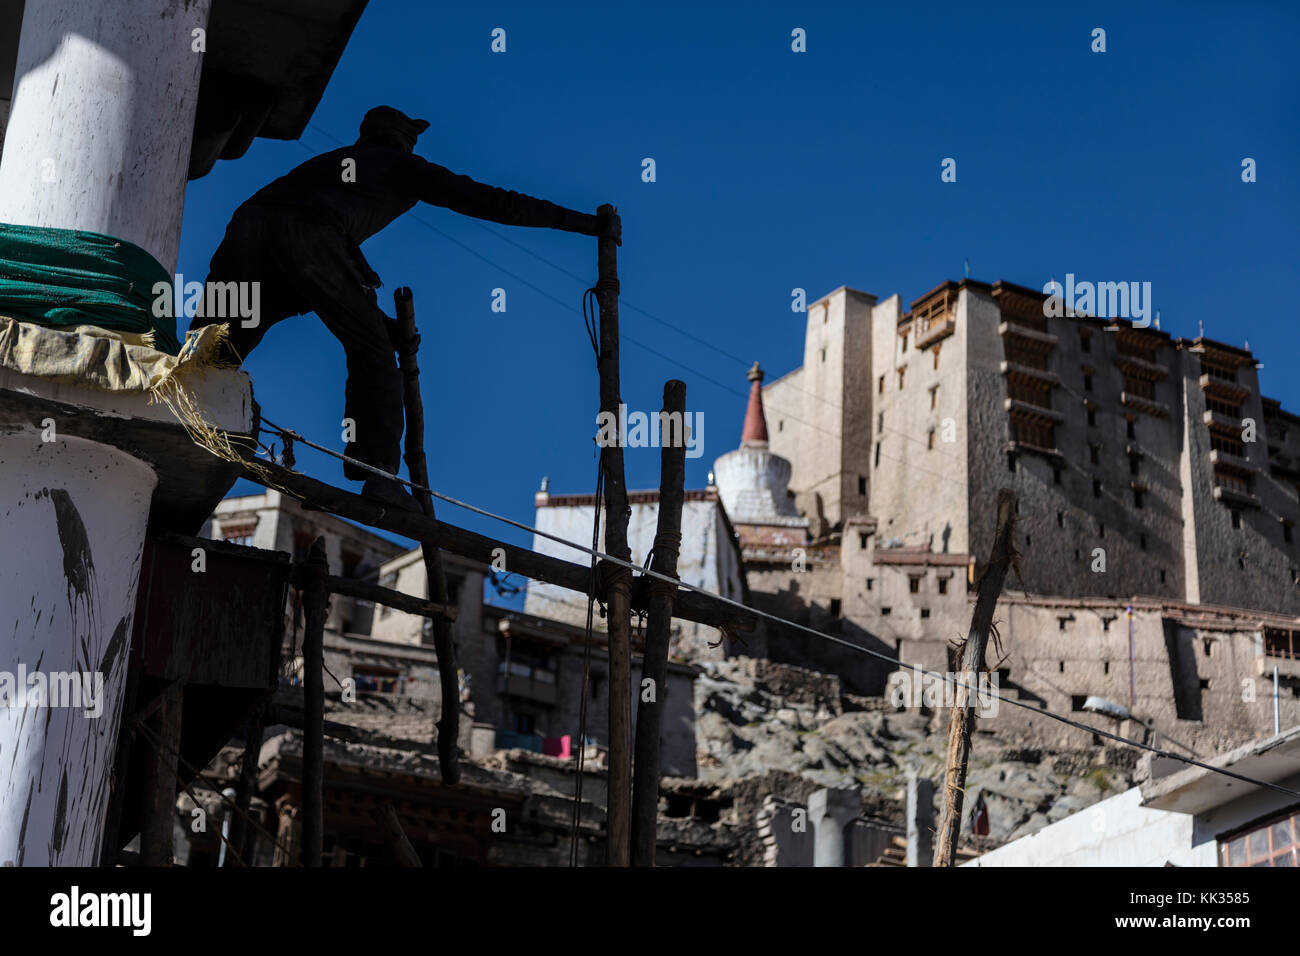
102, 119
831, 812
72, 523
920, 820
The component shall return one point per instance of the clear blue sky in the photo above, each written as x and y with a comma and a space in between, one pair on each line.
778, 170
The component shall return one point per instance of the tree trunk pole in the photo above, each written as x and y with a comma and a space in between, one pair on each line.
159, 817
311, 582
404, 853
238, 835
962, 720
618, 580
417, 467
659, 624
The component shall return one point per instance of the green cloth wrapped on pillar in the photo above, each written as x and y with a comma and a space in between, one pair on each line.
67, 277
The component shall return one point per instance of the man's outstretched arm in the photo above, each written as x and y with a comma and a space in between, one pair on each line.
439, 186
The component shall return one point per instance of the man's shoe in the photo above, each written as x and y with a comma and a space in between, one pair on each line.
390, 493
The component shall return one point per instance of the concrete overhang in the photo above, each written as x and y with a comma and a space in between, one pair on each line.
265, 67
265, 70
1196, 790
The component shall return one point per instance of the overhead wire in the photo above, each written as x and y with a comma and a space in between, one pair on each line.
776, 619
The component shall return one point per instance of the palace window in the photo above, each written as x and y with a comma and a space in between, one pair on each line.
1023, 354
1145, 351
1222, 407
1220, 372
1227, 445
1030, 392
1141, 387
1032, 432
1230, 482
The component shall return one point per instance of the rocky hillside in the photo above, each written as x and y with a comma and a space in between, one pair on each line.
756, 719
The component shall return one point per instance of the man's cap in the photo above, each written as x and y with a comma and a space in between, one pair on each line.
384, 118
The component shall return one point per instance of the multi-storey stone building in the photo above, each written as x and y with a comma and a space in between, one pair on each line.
1157, 498
1160, 452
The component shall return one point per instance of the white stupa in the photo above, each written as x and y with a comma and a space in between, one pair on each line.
753, 481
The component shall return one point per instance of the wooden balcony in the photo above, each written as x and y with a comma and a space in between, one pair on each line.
1039, 374
1147, 406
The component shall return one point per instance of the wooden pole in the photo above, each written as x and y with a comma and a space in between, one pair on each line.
417, 467
659, 623
403, 853
315, 601
126, 741
389, 597
617, 579
687, 605
159, 818
238, 835
962, 720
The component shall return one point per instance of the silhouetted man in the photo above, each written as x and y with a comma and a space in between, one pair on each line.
300, 238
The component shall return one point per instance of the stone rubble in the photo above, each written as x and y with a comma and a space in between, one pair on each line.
756, 718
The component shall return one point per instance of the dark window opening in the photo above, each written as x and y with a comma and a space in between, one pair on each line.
1096, 488
943, 585
1131, 428
1056, 476
1236, 519
1060, 519
1011, 462
925, 612
1092, 417
914, 585
835, 607
862, 485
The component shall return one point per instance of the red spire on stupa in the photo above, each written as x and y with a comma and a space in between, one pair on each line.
755, 421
